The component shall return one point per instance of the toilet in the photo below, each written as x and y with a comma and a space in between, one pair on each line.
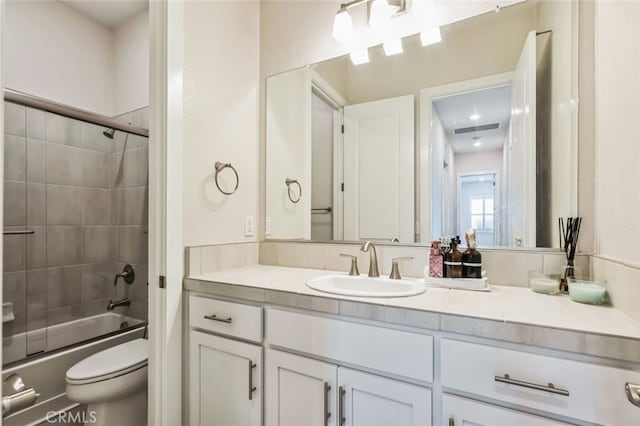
113, 384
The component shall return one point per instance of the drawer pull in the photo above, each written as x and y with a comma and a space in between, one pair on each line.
549, 388
633, 393
327, 414
252, 388
215, 318
452, 421
341, 418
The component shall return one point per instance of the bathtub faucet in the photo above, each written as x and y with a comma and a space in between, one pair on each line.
121, 302
127, 274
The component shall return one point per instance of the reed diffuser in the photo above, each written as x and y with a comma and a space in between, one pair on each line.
568, 234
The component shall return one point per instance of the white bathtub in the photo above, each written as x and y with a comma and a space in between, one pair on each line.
46, 373
14, 348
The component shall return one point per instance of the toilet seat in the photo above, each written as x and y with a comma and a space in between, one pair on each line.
110, 363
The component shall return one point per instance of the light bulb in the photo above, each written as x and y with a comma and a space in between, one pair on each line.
392, 47
380, 14
343, 26
431, 36
360, 56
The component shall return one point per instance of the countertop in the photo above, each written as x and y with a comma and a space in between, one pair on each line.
513, 314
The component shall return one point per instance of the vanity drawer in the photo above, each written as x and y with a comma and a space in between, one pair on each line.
232, 319
594, 393
393, 351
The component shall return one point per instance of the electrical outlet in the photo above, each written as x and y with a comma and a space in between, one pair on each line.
249, 229
267, 225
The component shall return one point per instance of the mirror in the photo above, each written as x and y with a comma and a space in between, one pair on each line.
476, 131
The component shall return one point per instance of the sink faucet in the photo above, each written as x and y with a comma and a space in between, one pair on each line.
373, 258
121, 302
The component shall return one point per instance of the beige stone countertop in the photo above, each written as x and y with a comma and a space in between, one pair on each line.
507, 313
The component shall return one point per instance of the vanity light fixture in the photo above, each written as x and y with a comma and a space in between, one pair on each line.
392, 47
430, 36
343, 26
360, 56
380, 14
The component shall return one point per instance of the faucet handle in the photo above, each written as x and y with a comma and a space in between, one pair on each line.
395, 270
354, 264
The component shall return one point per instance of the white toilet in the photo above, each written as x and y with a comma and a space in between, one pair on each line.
113, 383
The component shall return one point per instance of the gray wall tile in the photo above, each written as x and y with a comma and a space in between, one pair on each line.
64, 206
95, 206
36, 161
15, 158
37, 248
64, 314
14, 252
94, 139
63, 130
15, 119
36, 124
15, 203
97, 244
132, 244
64, 165
36, 204
14, 291
63, 286
97, 281
36, 291
64, 245
95, 169
131, 206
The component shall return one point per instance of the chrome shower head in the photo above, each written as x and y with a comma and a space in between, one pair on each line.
109, 133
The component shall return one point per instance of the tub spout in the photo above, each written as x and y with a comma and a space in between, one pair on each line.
115, 304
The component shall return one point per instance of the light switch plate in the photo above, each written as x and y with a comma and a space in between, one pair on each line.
249, 228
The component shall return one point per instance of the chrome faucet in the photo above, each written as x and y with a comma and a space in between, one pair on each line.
373, 258
121, 302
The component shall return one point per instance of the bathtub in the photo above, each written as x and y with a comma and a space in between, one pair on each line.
14, 348
46, 372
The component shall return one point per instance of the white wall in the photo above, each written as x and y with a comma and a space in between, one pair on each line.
477, 162
131, 65
221, 70
617, 148
54, 52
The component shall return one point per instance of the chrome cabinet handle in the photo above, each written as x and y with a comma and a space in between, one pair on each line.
327, 414
354, 264
633, 393
215, 318
341, 394
549, 388
252, 388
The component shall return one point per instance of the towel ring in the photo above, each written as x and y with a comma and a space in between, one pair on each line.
220, 167
290, 182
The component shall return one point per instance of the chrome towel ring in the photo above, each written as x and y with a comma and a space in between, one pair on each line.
220, 167
290, 182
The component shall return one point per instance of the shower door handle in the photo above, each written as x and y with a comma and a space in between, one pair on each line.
25, 232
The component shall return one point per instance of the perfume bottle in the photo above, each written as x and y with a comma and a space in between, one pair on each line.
471, 258
435, 260
453, 260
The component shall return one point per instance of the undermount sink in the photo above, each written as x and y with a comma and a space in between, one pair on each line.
364, 286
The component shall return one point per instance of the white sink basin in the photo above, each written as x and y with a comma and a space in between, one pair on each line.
364, 286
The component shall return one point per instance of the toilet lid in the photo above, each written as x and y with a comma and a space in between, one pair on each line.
111, 362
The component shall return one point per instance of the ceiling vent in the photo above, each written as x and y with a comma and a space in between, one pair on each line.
480, 128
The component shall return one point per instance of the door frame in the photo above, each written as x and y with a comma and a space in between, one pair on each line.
2, 9
423, 172
165, 386
496, 199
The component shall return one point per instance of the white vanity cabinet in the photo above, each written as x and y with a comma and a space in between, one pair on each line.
304, 391
225, 374
458, 411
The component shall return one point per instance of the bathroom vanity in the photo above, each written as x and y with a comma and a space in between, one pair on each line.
263, 348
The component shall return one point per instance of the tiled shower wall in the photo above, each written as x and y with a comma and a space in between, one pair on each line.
85, 198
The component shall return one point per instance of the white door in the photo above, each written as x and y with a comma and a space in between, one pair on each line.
522, 152
369, 400
300, 391
379, 170
457, 411
225, 382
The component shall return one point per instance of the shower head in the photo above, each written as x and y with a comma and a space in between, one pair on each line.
109, 133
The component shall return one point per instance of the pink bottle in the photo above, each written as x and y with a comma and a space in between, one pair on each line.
435, 260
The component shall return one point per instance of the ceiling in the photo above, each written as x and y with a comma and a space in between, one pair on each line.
487, 106
110, 13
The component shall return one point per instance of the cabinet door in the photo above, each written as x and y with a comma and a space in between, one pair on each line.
457, 411
369, 400
225, 382
300, 391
